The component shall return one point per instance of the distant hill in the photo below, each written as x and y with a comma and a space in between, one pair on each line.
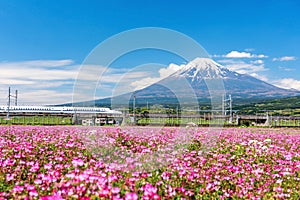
280, 105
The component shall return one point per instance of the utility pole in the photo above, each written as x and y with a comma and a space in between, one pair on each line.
75, 121
223, 105
16, 98
8, 104
177, 113
230, 107
134, 98
9, 99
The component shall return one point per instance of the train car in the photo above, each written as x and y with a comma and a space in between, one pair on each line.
58, 110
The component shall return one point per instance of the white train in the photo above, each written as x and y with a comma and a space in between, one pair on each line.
58, 110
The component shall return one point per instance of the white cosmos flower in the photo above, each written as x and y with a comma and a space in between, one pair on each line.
264, 148
252, 141
267, 140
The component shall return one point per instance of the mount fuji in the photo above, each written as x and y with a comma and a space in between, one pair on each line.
202, 78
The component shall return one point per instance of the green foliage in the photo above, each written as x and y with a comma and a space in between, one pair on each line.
283, 106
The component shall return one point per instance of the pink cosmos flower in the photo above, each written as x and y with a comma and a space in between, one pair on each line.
37, 181
131, 196
116, 190
18, 189
77, 163
48, 166
33, 193
30, 187
54, 197
10, 177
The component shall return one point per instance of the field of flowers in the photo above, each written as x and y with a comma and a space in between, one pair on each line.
69, 163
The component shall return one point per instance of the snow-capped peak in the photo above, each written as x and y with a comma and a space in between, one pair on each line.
203, 68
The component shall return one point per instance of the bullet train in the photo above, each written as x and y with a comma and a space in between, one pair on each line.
58, 110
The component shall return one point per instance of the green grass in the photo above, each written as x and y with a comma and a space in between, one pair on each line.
55, 120
179, 121
199, 121
37, 120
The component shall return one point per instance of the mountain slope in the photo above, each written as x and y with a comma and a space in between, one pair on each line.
202, 78
202, 72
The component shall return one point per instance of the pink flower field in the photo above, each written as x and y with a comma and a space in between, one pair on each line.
147, 163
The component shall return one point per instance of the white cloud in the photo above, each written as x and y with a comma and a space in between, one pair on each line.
145, 82
227, 61
117, 81
37, 97
37, 74
38, 81
288, 83
257, 62
260, 77
125, 83
286, 69
285, 58
38, 70
44, 96
237, 54
163, 73
37, 63
7, 81
259, 56
51, 81
55, 79
243, 67
216, 56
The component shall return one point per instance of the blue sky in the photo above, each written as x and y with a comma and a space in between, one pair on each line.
43, 43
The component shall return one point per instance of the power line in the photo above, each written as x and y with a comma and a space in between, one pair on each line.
8, 104
225, 103
9, 99
134, 99
16, 96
